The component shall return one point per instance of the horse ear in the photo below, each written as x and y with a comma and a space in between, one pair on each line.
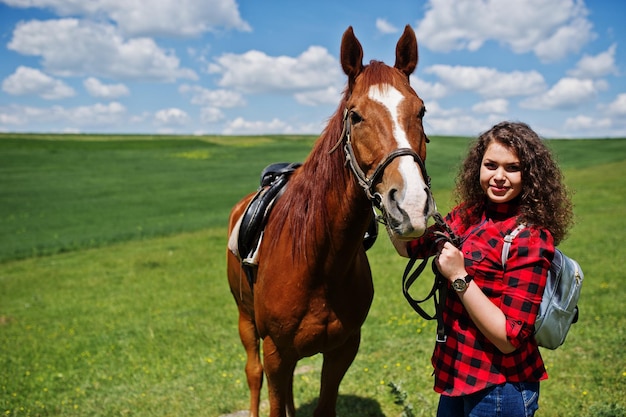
406, 52
351, 55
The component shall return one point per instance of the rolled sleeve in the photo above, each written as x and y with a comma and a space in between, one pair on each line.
517, 331
524, 281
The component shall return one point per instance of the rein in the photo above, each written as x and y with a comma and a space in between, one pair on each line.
439, 284
366, 183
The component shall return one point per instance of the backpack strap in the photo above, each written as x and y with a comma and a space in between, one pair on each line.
508, 239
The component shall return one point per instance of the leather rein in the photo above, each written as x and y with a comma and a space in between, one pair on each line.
366, 183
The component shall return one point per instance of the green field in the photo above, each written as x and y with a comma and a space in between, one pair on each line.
114, 301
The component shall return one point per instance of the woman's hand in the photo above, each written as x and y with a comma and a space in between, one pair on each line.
450, 262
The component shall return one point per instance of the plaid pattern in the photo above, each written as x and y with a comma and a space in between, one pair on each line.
468, 362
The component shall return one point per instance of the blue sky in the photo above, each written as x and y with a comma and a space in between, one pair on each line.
260, 67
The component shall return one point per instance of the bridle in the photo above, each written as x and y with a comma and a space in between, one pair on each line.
446, 234
366, 183
439, 289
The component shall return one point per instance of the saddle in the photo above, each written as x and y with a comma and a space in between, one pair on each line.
272, 183
273, 180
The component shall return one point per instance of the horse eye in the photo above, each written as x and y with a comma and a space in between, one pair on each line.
422, 113
355, 117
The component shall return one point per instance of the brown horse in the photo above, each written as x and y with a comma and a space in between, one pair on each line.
313, 286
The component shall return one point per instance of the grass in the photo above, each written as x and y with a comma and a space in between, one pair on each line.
144, 324
59, 194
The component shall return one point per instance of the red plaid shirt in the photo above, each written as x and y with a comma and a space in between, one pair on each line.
468, 362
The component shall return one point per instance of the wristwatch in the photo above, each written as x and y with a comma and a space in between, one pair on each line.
460, 284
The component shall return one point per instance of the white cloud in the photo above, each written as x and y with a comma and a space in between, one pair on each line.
385, 27
171, 117
10, 117
567, 93
211, 115
489, 82
618, 106
256, 72
329, 95
96, 115
565, 40
587, 123
428, 91
70, 47
459, 125
550, 29
96, 88
242, 126
596, 66
498, 106
214, 98
163, 17
141, 117
31, 81
20, 115
456, 121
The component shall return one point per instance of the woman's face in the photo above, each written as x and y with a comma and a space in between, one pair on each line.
500, 173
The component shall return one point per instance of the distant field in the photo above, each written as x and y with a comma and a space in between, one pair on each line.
114, 301
61, 194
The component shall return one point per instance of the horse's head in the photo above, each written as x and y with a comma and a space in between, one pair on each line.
384, 139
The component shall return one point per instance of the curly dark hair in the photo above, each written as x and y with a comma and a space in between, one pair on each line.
544, 200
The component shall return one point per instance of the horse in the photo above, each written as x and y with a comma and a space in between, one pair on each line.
312, 286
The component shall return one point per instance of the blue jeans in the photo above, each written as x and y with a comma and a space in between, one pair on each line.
515, 399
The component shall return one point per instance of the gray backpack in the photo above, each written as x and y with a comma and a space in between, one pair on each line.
559, 303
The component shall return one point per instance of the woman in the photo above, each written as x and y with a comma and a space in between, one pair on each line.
490, 364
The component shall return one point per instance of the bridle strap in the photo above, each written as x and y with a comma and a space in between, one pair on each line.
368, 183
439, 284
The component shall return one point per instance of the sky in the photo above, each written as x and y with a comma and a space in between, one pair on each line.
249, 67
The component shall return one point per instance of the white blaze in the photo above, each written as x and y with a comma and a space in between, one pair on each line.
391, 99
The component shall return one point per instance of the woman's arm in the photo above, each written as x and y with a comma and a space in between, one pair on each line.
489, 319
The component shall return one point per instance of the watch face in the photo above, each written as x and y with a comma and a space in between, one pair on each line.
459, 284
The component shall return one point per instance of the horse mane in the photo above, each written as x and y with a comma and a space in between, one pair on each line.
302, 208
323, 172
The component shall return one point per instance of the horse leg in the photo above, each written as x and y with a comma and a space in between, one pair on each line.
279, 371
254, 368
336, 364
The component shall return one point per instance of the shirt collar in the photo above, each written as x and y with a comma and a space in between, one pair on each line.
501, 211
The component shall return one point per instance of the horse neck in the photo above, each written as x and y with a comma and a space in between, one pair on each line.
339, 197
324, 209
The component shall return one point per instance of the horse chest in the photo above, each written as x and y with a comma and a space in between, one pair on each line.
319, 326
321, 332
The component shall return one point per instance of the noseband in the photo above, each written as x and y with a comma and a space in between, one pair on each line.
366, 183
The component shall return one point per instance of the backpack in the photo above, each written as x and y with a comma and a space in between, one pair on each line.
559, 303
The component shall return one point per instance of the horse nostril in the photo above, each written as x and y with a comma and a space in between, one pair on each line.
378, 201
392, 202
392, 194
